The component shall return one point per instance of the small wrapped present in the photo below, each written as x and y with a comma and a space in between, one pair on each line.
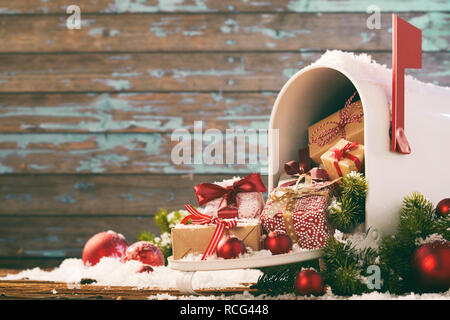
343, 158
347, 123
233, 198
300, 211
294, 169
203, 235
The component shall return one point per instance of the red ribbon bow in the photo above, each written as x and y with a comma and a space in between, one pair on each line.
228, 207
338, 154
322, 137
294, 168
199, 218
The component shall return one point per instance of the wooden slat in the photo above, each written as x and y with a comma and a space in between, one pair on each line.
134, 112
133, 153
27, 263
213, 32
98, 195
151, 6
61, 237
26, 289
174, 71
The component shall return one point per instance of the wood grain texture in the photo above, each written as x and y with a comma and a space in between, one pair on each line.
27, 289
214, 32
175, 72
213, 6
97, 195
135, 152
133, 112
62, 237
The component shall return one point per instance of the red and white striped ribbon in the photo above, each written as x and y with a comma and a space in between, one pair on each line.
221, 224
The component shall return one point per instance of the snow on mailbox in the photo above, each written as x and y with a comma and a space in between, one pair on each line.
322, 88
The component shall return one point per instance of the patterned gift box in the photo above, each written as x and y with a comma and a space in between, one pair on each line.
233, 198
300, 211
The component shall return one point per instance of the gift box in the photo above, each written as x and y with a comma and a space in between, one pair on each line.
294, 169
195, 239
234, 198
343, 158
300, 211
347, 123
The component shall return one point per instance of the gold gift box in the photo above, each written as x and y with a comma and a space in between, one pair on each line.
194, 239
345, 165
354, 131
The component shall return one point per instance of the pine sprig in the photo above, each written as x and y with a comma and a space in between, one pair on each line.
349, 209
417, 220
280, 279
354, 186
343, 268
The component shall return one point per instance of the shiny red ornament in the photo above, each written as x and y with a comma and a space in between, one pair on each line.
431, 265
309, 282
145, 268
443, 207
278, 242
230, 247
104, 244
145, 252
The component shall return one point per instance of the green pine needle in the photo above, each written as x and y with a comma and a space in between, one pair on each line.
343, 268
350, 210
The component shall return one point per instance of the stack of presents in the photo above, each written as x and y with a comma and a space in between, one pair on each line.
297, 206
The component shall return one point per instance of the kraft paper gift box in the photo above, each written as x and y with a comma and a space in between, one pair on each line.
343, 158
302, 218
194, 239
249, 204
347, 122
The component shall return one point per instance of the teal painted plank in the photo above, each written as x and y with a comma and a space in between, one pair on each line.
191, 6
61, 237
180, 152
97, 195
133, 112
175, 72
211, 32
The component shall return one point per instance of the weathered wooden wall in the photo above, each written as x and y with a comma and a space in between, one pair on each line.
86, 115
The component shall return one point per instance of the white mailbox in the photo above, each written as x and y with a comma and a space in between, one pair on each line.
323, 87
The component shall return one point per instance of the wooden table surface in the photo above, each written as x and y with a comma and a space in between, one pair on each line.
86, 115
29, 289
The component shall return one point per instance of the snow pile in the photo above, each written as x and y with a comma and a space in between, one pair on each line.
328, 296
112, 272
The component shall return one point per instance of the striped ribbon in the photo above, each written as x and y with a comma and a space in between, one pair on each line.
322, 136
221, 224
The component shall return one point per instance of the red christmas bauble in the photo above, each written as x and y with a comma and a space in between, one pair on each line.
230, 247
443, 207
309, 282
145, 268
431, 265
278, 242
104, 244
145, 252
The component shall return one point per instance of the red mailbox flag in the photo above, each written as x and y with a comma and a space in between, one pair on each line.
406, 53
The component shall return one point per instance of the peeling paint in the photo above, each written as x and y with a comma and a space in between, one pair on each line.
123, 6
289, 72
26, 198
116, 84
435, 30
277, 34
100, 113
367, 36
66, 198
361, 6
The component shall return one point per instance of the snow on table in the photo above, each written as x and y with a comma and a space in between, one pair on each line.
112, 272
